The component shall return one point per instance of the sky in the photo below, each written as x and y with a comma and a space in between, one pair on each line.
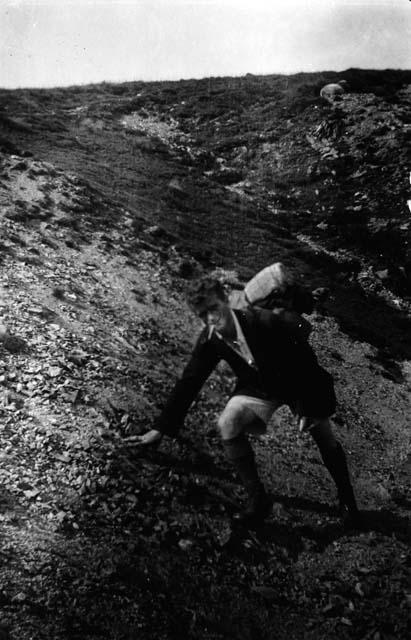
50, 43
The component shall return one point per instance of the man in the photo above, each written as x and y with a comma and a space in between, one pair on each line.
274, 366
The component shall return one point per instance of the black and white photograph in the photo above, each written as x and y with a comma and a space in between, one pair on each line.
205, 320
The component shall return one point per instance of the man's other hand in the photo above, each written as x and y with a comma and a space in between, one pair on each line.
150, 437
304, 424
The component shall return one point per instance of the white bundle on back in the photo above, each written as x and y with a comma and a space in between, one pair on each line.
268, 284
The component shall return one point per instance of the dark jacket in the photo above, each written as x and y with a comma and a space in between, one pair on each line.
286, 370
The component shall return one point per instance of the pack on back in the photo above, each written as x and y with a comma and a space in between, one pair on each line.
270, 289
268, 286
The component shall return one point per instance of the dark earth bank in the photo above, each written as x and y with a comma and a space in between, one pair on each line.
112, 198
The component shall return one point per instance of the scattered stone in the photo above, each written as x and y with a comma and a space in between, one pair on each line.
185, 545
31, 494
13, 344
19, 598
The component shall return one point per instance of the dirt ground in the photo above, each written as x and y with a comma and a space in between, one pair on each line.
102, 540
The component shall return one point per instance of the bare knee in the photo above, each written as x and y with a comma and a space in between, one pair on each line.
234, 421
230, 423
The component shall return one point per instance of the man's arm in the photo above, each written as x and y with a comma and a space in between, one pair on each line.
202, 362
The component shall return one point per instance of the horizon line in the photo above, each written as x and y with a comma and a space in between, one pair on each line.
200, 78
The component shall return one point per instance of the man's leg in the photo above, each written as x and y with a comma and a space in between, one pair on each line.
233, 423
334, 459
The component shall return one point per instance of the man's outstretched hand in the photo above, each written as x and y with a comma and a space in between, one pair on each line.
149, 438
304, 424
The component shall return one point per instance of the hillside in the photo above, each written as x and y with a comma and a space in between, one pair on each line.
112, 198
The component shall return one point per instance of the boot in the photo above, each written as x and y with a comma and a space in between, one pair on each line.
258, 506
241, 455
335, 461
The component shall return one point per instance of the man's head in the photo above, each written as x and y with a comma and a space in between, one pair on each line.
209, 301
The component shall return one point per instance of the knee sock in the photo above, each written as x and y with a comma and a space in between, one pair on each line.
335, 461
239, 451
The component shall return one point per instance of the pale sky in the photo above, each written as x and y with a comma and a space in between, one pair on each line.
46, 43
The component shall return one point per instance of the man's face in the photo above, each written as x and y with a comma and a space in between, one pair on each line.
215, 312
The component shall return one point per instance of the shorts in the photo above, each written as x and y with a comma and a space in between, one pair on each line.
264, 409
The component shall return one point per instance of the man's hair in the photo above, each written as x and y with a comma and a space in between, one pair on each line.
203, 289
